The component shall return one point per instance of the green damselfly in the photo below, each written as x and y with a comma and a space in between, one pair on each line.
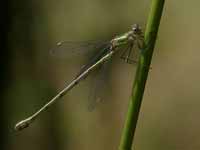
105, 51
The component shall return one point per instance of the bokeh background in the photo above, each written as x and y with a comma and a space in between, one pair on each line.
169, 117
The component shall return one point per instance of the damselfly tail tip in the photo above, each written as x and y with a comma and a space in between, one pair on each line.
22, 124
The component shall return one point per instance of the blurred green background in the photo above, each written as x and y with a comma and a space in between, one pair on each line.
169, 117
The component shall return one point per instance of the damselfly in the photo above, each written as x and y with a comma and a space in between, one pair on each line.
105, 51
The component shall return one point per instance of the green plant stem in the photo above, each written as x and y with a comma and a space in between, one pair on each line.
141, 74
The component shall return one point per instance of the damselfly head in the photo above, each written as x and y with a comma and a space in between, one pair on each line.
136, 29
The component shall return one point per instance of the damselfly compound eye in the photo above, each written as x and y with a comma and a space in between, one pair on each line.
136, 28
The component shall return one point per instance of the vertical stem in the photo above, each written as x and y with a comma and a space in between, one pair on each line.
141, 74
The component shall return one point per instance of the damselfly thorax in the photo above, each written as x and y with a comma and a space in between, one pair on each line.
134, 36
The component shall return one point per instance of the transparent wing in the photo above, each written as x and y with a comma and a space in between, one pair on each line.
130, 54
71, 48
99, 86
